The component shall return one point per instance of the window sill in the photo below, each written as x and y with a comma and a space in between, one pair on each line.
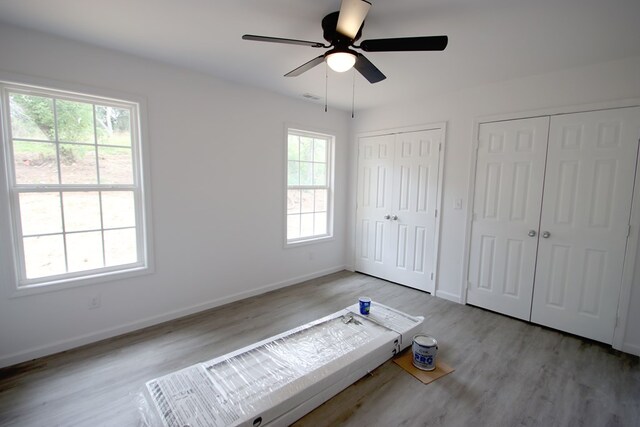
309, 241
58, 285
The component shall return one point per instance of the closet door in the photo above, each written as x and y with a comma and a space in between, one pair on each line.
585, 221
396, 207
373, 223
414, 201
506, 212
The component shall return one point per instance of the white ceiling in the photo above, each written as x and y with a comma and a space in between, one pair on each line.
489, 40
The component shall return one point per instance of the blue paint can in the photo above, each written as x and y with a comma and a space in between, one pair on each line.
425, 350
365, 305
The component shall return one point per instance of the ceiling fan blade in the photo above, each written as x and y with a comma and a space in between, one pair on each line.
405, 44
305, 67
351, 17
368, 70
281, 40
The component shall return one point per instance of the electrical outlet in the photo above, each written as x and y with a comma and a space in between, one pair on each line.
458, 204
94, 302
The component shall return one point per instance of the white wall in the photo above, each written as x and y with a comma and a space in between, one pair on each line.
594, 84
217, 176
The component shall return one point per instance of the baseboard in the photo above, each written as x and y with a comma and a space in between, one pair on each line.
448, 296
68, 344
631, 349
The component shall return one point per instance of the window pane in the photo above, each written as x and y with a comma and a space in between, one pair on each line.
306, 149
293, 148
44, 256
81, 211
319, 174
307, 201
78, 164
293, 176
306, 225
35, 162
116, 165
293, 226
31, 117
321, 201
84, 251
320, 223
113, 125
293, 201
120, 247
40, 213
118, 209
75, 121
306, 173
319, 150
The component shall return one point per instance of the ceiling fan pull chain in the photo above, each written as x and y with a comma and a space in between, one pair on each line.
353, 95
326, 86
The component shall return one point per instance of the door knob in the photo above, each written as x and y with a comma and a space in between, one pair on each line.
546, 234
387, 216
532, 233
395, 217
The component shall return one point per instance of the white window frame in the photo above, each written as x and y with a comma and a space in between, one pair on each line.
330, 166
11, 249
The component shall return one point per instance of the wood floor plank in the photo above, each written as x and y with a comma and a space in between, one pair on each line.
508, 372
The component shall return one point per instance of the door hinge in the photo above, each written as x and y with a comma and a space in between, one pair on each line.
629, 231
432, 275
436, 213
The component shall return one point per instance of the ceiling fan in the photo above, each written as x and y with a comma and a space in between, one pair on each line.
342, 29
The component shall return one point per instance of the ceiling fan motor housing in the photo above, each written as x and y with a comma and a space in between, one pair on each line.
329, 24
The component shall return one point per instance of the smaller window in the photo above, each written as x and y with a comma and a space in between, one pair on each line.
309, 186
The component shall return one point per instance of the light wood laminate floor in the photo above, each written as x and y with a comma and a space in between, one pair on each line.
508, 372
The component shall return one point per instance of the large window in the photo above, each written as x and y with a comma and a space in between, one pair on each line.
309, 186
74, 185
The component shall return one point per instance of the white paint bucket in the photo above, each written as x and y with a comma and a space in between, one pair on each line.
425, 349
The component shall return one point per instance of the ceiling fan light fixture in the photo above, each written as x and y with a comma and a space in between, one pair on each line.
341, 61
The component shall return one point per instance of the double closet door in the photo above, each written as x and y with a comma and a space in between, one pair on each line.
396, 207
551, 214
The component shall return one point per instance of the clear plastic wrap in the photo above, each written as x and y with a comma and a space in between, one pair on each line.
249, 378
252, 386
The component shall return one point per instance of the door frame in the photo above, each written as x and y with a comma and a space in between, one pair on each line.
442, 126
628, 273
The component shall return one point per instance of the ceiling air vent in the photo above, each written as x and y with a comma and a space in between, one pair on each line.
311, 96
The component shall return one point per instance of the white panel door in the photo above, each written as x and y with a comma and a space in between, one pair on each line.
506, 212
414, 202
373, 230
585, 221
396, 207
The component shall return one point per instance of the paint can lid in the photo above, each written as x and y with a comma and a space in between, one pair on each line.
425, 340
364, 299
